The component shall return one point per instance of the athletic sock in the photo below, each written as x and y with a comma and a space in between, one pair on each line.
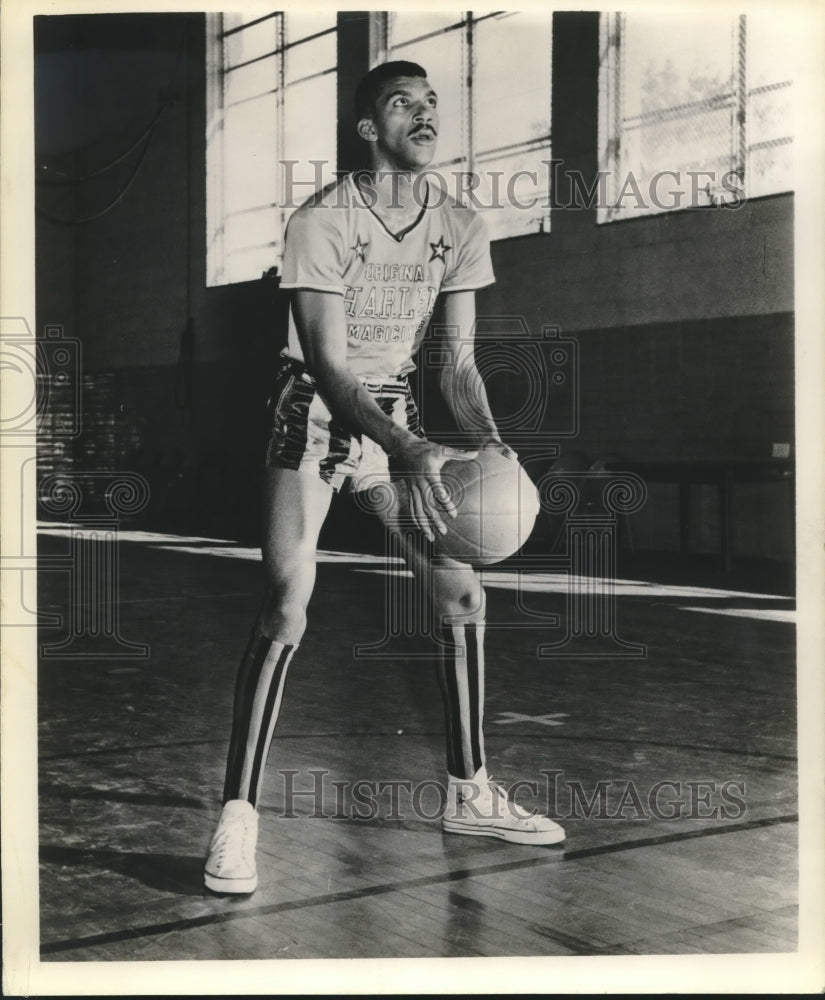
259, 689
461, 677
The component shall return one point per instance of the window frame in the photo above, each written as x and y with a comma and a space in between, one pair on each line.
218, 268
471, 158
611, 120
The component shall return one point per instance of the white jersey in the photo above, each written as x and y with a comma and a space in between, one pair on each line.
389, 281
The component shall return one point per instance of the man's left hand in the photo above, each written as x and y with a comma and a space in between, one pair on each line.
496, 444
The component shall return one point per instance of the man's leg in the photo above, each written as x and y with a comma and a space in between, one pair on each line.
459, 613
475, 805
295, 505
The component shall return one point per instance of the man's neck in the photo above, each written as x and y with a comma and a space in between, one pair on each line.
394, 191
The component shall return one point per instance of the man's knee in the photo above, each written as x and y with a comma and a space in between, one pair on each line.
283, 620
283, 615
461, 601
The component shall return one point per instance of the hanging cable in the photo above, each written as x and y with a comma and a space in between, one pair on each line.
115, 201
166, 97
81, 178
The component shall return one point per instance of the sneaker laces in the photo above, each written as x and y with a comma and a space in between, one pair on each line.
228, 837
512, 804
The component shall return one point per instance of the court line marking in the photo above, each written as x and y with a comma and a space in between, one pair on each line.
459, 875
551, 719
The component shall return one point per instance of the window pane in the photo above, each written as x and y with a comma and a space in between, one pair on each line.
252, 229
512, 105
310, 101
300, 25
404, 27
251, 153
513, 193
675, 77
769, 124
678, 93
672, 60
511, 83
249, 264
698, 141
686, 93
251, 81
253, 126
307, 58
441, 57
252, 42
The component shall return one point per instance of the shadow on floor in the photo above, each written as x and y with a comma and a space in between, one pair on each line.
173, 873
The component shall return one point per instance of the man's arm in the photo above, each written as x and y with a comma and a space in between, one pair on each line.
461, 384
321, 323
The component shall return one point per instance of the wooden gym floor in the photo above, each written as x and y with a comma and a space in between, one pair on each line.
684, 758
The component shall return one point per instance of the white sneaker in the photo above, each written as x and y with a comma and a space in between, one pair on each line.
230, 866
480, 807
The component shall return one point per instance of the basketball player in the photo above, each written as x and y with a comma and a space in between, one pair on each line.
365, 260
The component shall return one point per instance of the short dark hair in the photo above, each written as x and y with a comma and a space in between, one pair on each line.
369, 86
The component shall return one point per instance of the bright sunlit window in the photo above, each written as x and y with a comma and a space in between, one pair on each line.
271, 101
492, 75
695, 110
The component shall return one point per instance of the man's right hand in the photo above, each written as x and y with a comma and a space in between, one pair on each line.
420, 463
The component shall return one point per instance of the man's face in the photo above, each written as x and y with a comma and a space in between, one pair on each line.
404, 124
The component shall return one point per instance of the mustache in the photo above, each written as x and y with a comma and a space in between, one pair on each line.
422, 128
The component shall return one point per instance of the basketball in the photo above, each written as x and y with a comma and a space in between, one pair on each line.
497, 505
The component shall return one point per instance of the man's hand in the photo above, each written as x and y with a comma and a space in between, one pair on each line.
428, 498
461, 384
496, 444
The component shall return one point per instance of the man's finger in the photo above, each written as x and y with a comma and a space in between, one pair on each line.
437, 494
501, 448
419, 513
442, 498
458, 453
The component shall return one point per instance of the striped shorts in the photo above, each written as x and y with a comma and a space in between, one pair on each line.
305, 436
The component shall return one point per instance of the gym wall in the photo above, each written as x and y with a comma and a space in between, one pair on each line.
684, 321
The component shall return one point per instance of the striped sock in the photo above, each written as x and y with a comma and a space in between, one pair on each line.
258, 692
461, 676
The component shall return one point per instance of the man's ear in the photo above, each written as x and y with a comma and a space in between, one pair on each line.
366, 129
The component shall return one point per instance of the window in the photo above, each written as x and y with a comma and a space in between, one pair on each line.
693, 111
268, 79
495, 119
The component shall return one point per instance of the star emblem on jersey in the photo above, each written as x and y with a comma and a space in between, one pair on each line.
439, 249
360, 247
